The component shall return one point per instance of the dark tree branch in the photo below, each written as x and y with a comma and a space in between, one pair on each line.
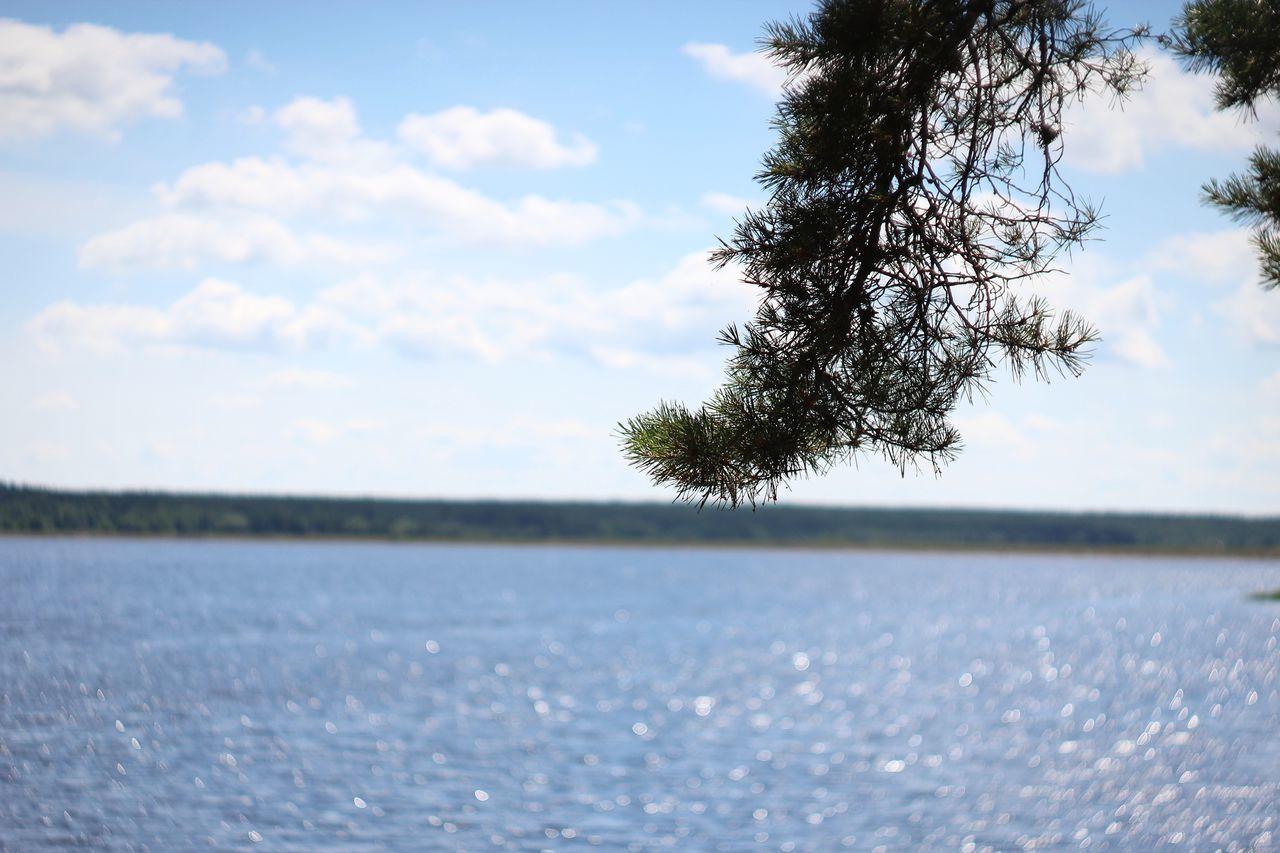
897, 230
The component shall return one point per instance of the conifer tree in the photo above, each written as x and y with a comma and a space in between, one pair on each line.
913, 192
1240, 41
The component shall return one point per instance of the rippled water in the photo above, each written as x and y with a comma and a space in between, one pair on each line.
169, 695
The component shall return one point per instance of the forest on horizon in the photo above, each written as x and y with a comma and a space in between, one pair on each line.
35, 510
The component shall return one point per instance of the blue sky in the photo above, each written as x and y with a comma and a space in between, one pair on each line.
441, 249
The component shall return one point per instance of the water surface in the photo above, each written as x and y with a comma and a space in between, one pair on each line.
297, 696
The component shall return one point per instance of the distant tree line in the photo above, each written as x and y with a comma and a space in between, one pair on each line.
31, 510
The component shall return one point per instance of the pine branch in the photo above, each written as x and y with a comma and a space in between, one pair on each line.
914, 188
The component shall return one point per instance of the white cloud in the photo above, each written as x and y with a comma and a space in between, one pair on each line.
1137, 346
299, 377
657, 324
1126, 313
317, 326
56, 401
249, 182
182, 241
993, 430
1174, 109
280, 187
99, 328
323, 131
652, 324
313, 126
619, 358
464, 138
730, 205
1254, 313
448, 317
216, 314
432, 336
1271, 386
753, 69
985, 430
340, 173
1216, 257
685, 307
90, 78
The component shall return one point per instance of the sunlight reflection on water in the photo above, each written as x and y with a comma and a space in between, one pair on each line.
295, 696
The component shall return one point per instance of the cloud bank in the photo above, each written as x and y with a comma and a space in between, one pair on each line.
659, 324
90, 78
231, 211
1174, 109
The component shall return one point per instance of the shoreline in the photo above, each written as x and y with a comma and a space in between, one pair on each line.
1004, 549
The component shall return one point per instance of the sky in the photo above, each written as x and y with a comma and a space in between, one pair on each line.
439, 249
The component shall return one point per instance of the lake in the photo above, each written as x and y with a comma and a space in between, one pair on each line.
347, 696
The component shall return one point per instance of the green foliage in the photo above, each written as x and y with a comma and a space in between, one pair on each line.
1254, 198
913, 189
1239, 40
43, 511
